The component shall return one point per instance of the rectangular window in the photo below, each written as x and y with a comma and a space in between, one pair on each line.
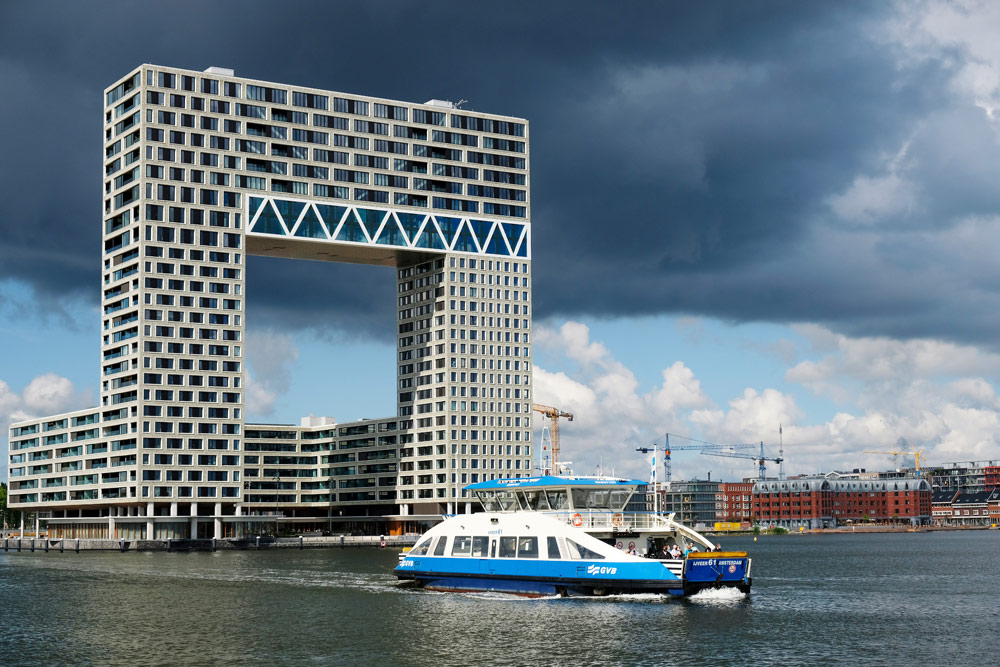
310, 100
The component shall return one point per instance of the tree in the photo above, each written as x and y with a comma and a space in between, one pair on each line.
6, 516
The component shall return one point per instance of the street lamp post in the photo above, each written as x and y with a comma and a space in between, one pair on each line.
329, 490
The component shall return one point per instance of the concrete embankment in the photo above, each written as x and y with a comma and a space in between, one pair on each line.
311, 542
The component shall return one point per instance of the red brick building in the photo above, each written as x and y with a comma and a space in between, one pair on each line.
737, 502
822, 503
992, 477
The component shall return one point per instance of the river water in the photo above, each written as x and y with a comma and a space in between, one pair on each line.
888, 599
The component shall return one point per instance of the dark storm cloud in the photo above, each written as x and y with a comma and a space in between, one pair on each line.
683, 154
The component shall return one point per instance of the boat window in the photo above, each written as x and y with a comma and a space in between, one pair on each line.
508, 547
620, 498
421, 549
488, 501
506, 500
557, 499
534, 500
439, 547
580, 552
591, 499
462, 546
553, 548
480, 545
527, 547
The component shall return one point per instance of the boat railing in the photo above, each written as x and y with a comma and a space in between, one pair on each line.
622, 522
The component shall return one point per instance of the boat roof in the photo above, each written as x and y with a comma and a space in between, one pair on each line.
552, 480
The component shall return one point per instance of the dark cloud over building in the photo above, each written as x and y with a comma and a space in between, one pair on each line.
764, 161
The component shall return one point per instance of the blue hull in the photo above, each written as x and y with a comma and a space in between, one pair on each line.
546, 578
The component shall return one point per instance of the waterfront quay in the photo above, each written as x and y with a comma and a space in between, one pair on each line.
46, 545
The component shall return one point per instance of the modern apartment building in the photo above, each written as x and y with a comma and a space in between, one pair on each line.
202, 169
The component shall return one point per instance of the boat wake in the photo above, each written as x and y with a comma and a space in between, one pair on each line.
718, 596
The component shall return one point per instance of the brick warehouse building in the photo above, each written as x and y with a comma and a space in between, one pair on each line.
821, 503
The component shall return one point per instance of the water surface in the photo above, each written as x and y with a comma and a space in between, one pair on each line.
926, 598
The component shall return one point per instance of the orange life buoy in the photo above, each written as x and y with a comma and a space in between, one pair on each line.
617, 520
577, 520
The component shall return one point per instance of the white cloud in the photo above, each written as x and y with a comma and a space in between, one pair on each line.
932, 394
870, 199
961, 34
47, 394
269, 356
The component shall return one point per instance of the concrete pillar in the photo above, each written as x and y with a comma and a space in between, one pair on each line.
173, 508
36, 525
218, 521
21, 536
150, 510
239, 510
111, 522
468, 508
194, 521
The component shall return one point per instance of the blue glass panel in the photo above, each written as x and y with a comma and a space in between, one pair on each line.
268, 222
481, 228
429, 237
391, 234
352, 230
523, 250
311, 226
449, 227
371, 219
411, 223
289, 210
513, 232
464, 242
255, 203
331, 215
496, 246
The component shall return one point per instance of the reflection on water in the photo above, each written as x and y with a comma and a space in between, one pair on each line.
846, 599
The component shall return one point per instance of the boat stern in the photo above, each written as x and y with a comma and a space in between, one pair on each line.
725, 569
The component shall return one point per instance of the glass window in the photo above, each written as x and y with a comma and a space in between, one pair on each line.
439, 548
461, 546
527, 547
508, 547
480, 546
580, 552
553, 545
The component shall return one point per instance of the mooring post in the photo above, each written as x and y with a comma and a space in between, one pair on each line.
213, 544
257, 543
32, 545
78, 545
300, 543
341, 541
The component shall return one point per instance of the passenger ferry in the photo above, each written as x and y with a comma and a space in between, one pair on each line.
566, 535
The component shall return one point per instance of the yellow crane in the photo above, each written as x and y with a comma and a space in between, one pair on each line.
553, 414
916, 455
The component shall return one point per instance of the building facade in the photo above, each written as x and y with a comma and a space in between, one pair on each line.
202, 169
737, 503
819, 502
695, 502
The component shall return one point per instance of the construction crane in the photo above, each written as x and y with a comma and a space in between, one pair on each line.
759, 458
915, 454
553, 414
704, 448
